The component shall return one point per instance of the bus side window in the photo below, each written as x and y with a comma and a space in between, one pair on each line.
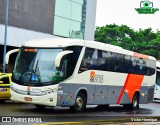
140, 66
117, 62
89, 61
120, 63
102, 60
133, 65
150, 69
72, 59
126, 63
109, 61
113, 67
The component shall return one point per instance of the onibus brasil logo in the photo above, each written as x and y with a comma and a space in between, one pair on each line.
146, 7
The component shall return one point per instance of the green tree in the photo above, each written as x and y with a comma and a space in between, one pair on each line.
142, 41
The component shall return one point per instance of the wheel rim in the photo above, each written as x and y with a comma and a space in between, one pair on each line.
135, 102
79, 102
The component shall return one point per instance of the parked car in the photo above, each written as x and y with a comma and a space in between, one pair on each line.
5, 80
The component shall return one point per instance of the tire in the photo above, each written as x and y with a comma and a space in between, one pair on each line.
80, 103
2, 101
40, 106
134, 104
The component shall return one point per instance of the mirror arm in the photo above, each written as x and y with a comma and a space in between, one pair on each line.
60, 56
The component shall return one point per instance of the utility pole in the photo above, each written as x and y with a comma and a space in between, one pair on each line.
5, 36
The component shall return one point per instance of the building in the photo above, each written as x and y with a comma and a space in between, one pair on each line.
31, 19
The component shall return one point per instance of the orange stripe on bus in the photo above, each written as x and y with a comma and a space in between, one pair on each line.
122, 91
140, 55
131, 85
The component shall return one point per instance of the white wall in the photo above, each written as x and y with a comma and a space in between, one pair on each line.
90, 19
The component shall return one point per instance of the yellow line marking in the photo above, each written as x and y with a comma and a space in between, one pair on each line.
97, 122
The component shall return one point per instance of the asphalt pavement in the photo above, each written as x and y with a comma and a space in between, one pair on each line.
23, 113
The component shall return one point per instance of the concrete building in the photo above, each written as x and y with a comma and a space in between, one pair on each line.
31, 19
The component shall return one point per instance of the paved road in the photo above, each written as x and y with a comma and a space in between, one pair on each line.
57, 114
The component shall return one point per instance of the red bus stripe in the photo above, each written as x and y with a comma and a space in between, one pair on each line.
122, 91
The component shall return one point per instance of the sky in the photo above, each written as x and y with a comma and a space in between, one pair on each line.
123, 12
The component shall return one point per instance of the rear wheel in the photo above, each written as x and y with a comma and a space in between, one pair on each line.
134, 104
80, 103
2, 101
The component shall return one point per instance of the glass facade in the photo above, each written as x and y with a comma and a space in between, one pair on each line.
69, 18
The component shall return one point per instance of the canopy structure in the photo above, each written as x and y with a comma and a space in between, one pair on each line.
17, 36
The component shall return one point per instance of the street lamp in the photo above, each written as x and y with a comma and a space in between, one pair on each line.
5, 36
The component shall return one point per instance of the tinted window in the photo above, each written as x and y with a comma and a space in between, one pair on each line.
102, 60
126, 63
72, 59
114, 62
89, 61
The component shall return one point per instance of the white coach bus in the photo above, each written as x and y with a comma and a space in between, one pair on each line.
157, 85
76, 73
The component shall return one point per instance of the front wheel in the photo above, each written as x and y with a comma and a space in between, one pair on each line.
134, 104
80, 103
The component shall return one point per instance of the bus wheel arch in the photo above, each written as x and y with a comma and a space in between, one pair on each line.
135, 101
80, 101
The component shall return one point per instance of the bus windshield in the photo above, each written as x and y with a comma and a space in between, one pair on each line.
35, 67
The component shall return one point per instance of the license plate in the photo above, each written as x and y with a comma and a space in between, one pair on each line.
27, 99
3, 90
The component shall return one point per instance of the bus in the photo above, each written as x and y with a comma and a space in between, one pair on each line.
74, 73
157, 85
5, 80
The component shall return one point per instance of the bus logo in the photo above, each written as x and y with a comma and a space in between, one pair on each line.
28, 90
92, 74
95, 78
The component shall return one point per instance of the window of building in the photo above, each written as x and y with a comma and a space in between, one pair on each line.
69, 18
62, 26
63, 8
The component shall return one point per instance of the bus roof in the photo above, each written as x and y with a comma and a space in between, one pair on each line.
64, 42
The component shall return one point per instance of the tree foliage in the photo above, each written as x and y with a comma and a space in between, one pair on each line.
143, 41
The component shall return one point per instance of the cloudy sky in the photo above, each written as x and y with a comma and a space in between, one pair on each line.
123, 12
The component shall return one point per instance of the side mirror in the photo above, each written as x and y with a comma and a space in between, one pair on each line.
59, 57
9, 53
1, 82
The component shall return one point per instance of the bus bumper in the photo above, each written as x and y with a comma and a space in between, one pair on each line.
47, 100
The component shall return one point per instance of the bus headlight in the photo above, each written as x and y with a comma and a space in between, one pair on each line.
50, 91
